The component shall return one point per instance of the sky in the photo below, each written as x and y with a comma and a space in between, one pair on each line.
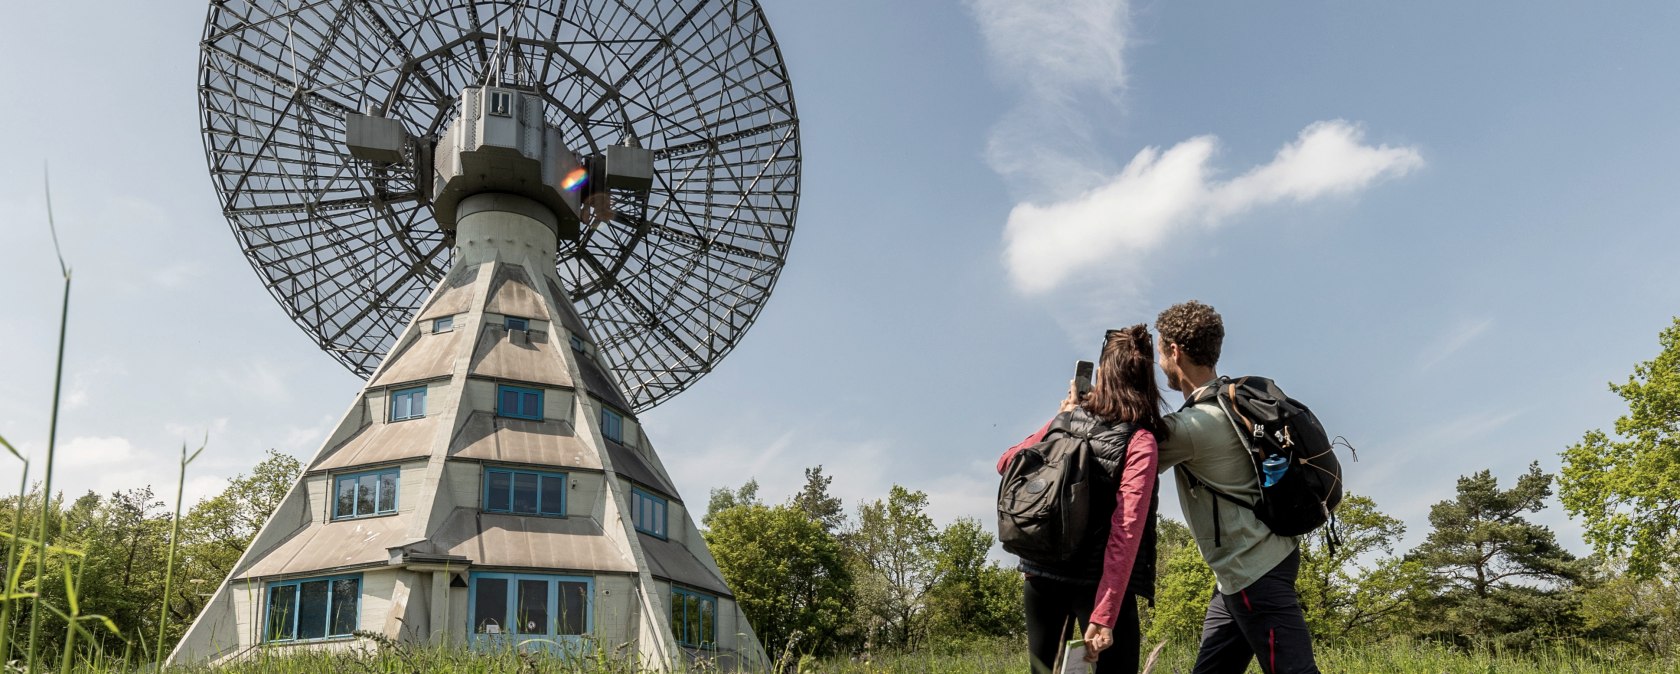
1444, 226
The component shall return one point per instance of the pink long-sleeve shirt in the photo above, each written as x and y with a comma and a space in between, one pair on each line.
1131, 515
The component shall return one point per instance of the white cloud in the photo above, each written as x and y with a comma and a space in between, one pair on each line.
1451, 342
105, 451
1060, 54
1160, 195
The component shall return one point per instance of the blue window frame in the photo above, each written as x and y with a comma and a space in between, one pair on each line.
693, 618
366, 494
408, 403
577, 344
312, 608
518, 323
524, 492
444, 324
513, 608
612, 424
519, 402
648, 512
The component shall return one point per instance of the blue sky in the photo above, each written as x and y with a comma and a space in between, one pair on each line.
1444, 225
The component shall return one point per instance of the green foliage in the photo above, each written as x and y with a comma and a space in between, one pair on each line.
725, 498
1183, 586
893, 558
1354, 593
788, 574
1625, 490
816, 502
1498, 578
970, 596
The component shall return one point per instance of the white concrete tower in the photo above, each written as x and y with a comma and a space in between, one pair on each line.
489, 486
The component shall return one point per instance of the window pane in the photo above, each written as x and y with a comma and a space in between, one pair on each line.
490, 612
525, 493
417, 405
532, 405
677, 621
692, 612
399, 407
533, 607
496, 499
346, 596
345, 504
282, 602
312, 609
708, 627
659, 518
553, 495
388, 491
367, 486
574, 607
636, 509
509, 404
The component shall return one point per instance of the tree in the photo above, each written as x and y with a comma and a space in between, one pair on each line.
892, 552
1625, 490
789, 575
971, 596
817, 504
724, 498
1350, 594
1498, 576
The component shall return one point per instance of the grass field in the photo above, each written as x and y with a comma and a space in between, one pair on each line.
1398, 657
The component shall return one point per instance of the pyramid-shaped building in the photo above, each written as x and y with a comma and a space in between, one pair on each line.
490, 486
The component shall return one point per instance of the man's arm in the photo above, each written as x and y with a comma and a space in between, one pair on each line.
1180, 444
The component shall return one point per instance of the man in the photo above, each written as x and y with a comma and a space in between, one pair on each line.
1255, 612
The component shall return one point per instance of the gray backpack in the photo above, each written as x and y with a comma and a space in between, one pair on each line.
1044, 498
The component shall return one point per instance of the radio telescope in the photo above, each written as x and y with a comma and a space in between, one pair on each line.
524, 223
349, 248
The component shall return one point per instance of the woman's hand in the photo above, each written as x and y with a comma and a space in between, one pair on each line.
1097, 640
1072, 399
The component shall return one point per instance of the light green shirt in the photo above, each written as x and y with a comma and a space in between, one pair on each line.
1201, 439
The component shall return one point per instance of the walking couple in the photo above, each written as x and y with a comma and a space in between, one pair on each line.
1254, 612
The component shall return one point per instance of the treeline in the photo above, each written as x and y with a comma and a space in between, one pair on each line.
113, 552
813, 580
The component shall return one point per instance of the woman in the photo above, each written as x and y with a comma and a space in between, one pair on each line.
1099, 585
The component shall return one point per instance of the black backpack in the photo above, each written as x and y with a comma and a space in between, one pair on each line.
1044, 499
1271, 424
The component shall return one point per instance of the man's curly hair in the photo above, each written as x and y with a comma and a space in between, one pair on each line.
1194, 327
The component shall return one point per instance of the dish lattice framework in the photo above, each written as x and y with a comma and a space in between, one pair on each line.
350, 249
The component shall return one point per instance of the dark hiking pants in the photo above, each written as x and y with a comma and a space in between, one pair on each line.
1053, 609
1263, 621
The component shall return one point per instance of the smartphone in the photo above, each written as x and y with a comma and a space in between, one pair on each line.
1082, 372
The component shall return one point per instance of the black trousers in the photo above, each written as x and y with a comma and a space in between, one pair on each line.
1056, 608
1262, 621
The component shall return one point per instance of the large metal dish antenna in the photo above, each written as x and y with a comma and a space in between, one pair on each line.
669, 281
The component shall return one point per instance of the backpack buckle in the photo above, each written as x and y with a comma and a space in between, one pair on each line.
1259, 430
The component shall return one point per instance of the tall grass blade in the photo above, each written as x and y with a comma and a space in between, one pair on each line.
52, 429
174, 539
12, 562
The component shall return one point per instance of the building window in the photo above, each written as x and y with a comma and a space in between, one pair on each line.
517, 323
313, 608
506, 605
648, 511
444, 324
693, 618
519, 402
501, 103
612, 424
577, 344
409, 403
366, 494
524, 492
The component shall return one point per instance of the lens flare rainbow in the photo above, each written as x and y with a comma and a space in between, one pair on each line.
575, 179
